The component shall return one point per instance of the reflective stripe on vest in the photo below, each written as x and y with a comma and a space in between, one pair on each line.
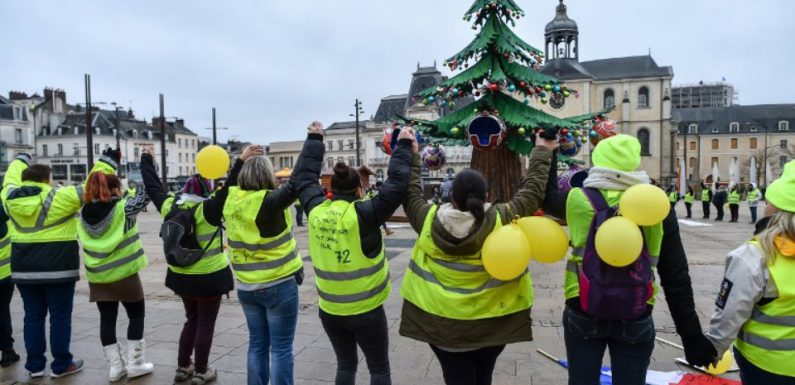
579, 226
44, 275
258, 260
111, 253
5, 256
214, 259
22, 232
767, 339
348, 282
457, 286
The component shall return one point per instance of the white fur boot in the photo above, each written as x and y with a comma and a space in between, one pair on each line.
136, 359
113, 356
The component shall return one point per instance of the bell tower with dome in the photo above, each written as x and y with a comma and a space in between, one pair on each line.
561, 36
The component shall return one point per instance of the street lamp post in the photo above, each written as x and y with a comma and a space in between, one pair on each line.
89, 133
358, 111
214, 128
163, 169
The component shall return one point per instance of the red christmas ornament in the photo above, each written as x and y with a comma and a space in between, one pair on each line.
477, 93
494, 87
522, 84
460, 93
538, 90
564, 131
563, 140
506, 55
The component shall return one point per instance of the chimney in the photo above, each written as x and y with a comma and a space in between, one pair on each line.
17, 95
179, 123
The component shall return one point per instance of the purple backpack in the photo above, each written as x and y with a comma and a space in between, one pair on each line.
608, 292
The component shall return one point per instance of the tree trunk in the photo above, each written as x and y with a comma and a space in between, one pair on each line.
502, 169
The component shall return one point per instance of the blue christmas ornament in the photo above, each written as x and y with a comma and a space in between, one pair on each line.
431, 99
512, 88
543, 94
454, 91
593, 134
556, 89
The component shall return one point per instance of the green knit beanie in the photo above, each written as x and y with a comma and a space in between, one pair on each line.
620, 152
781, 193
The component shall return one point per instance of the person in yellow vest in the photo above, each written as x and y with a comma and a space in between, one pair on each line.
734, 204
450, 301
265, 260
113, 255
706, 199
689, 199
755, 308
591, 325
10, 356
673, 196
348, 254
754, 196
45, 257
202, 285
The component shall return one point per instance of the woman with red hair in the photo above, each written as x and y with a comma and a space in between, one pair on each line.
113, 256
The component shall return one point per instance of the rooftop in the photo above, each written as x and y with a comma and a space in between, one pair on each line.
717, 120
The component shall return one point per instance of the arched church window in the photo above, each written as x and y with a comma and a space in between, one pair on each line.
643, 97
609, 98
644, 137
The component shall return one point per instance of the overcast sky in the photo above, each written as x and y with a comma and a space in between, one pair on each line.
270, 67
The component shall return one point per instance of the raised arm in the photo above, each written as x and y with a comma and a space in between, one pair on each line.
70, 199
414, 203
152, 184
554, 199
307, 170
375, 212
137, 203
13, 177
531, 192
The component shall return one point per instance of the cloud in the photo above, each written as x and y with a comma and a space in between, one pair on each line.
271, 67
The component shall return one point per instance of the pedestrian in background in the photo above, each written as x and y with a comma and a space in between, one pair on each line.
202, 285
754, 196
690, 198
10, 356
299, 214
451, 302
113, 256
45, 257
348, 253
266, 263
756, 301
706, 199
673, 197
734, 204
592, 324
719, 200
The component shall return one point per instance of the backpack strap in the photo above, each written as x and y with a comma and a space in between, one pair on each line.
174, 205
596, 199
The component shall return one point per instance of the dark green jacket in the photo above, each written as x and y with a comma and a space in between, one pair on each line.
445, 332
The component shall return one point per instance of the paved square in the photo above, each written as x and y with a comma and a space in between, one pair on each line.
413, 363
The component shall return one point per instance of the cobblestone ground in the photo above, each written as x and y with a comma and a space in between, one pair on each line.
412, 362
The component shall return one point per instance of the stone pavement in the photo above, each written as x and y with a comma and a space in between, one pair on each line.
706, 242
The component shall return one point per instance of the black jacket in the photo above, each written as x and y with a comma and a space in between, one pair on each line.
672, 266
373, 212
191, 285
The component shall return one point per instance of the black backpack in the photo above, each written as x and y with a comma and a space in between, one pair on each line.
178, 233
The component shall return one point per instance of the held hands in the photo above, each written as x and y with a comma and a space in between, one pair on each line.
408, 133
114, 154
252, 151
551, 144
315, 128
150, 150
699, 351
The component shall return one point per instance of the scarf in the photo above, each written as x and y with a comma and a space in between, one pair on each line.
608, 179
185, 197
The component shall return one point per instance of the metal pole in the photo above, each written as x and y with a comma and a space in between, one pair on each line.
118, 129
686, 176
163, 169
764, 170
358, 155
215, 139
89, 131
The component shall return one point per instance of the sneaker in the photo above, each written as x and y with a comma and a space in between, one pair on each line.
36, 374
74, 367
184, 374
204, 378
9, 358
389, 231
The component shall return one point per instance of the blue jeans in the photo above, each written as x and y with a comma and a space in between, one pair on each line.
271, 315
751, 374
38, 300
630, 343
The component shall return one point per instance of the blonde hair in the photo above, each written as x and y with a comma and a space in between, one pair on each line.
257, 174
782, 224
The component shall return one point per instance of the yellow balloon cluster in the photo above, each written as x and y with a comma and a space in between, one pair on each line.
619, 241
212, 162
548, 241
723, 365
506, 253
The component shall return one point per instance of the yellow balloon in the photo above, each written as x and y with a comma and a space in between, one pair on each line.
618, 241
212, 162
506, 253
644, 204
548, 241
723, 365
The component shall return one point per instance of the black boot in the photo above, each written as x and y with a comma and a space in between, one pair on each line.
9, 358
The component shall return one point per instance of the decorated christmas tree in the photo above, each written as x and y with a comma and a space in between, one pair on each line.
501, 73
